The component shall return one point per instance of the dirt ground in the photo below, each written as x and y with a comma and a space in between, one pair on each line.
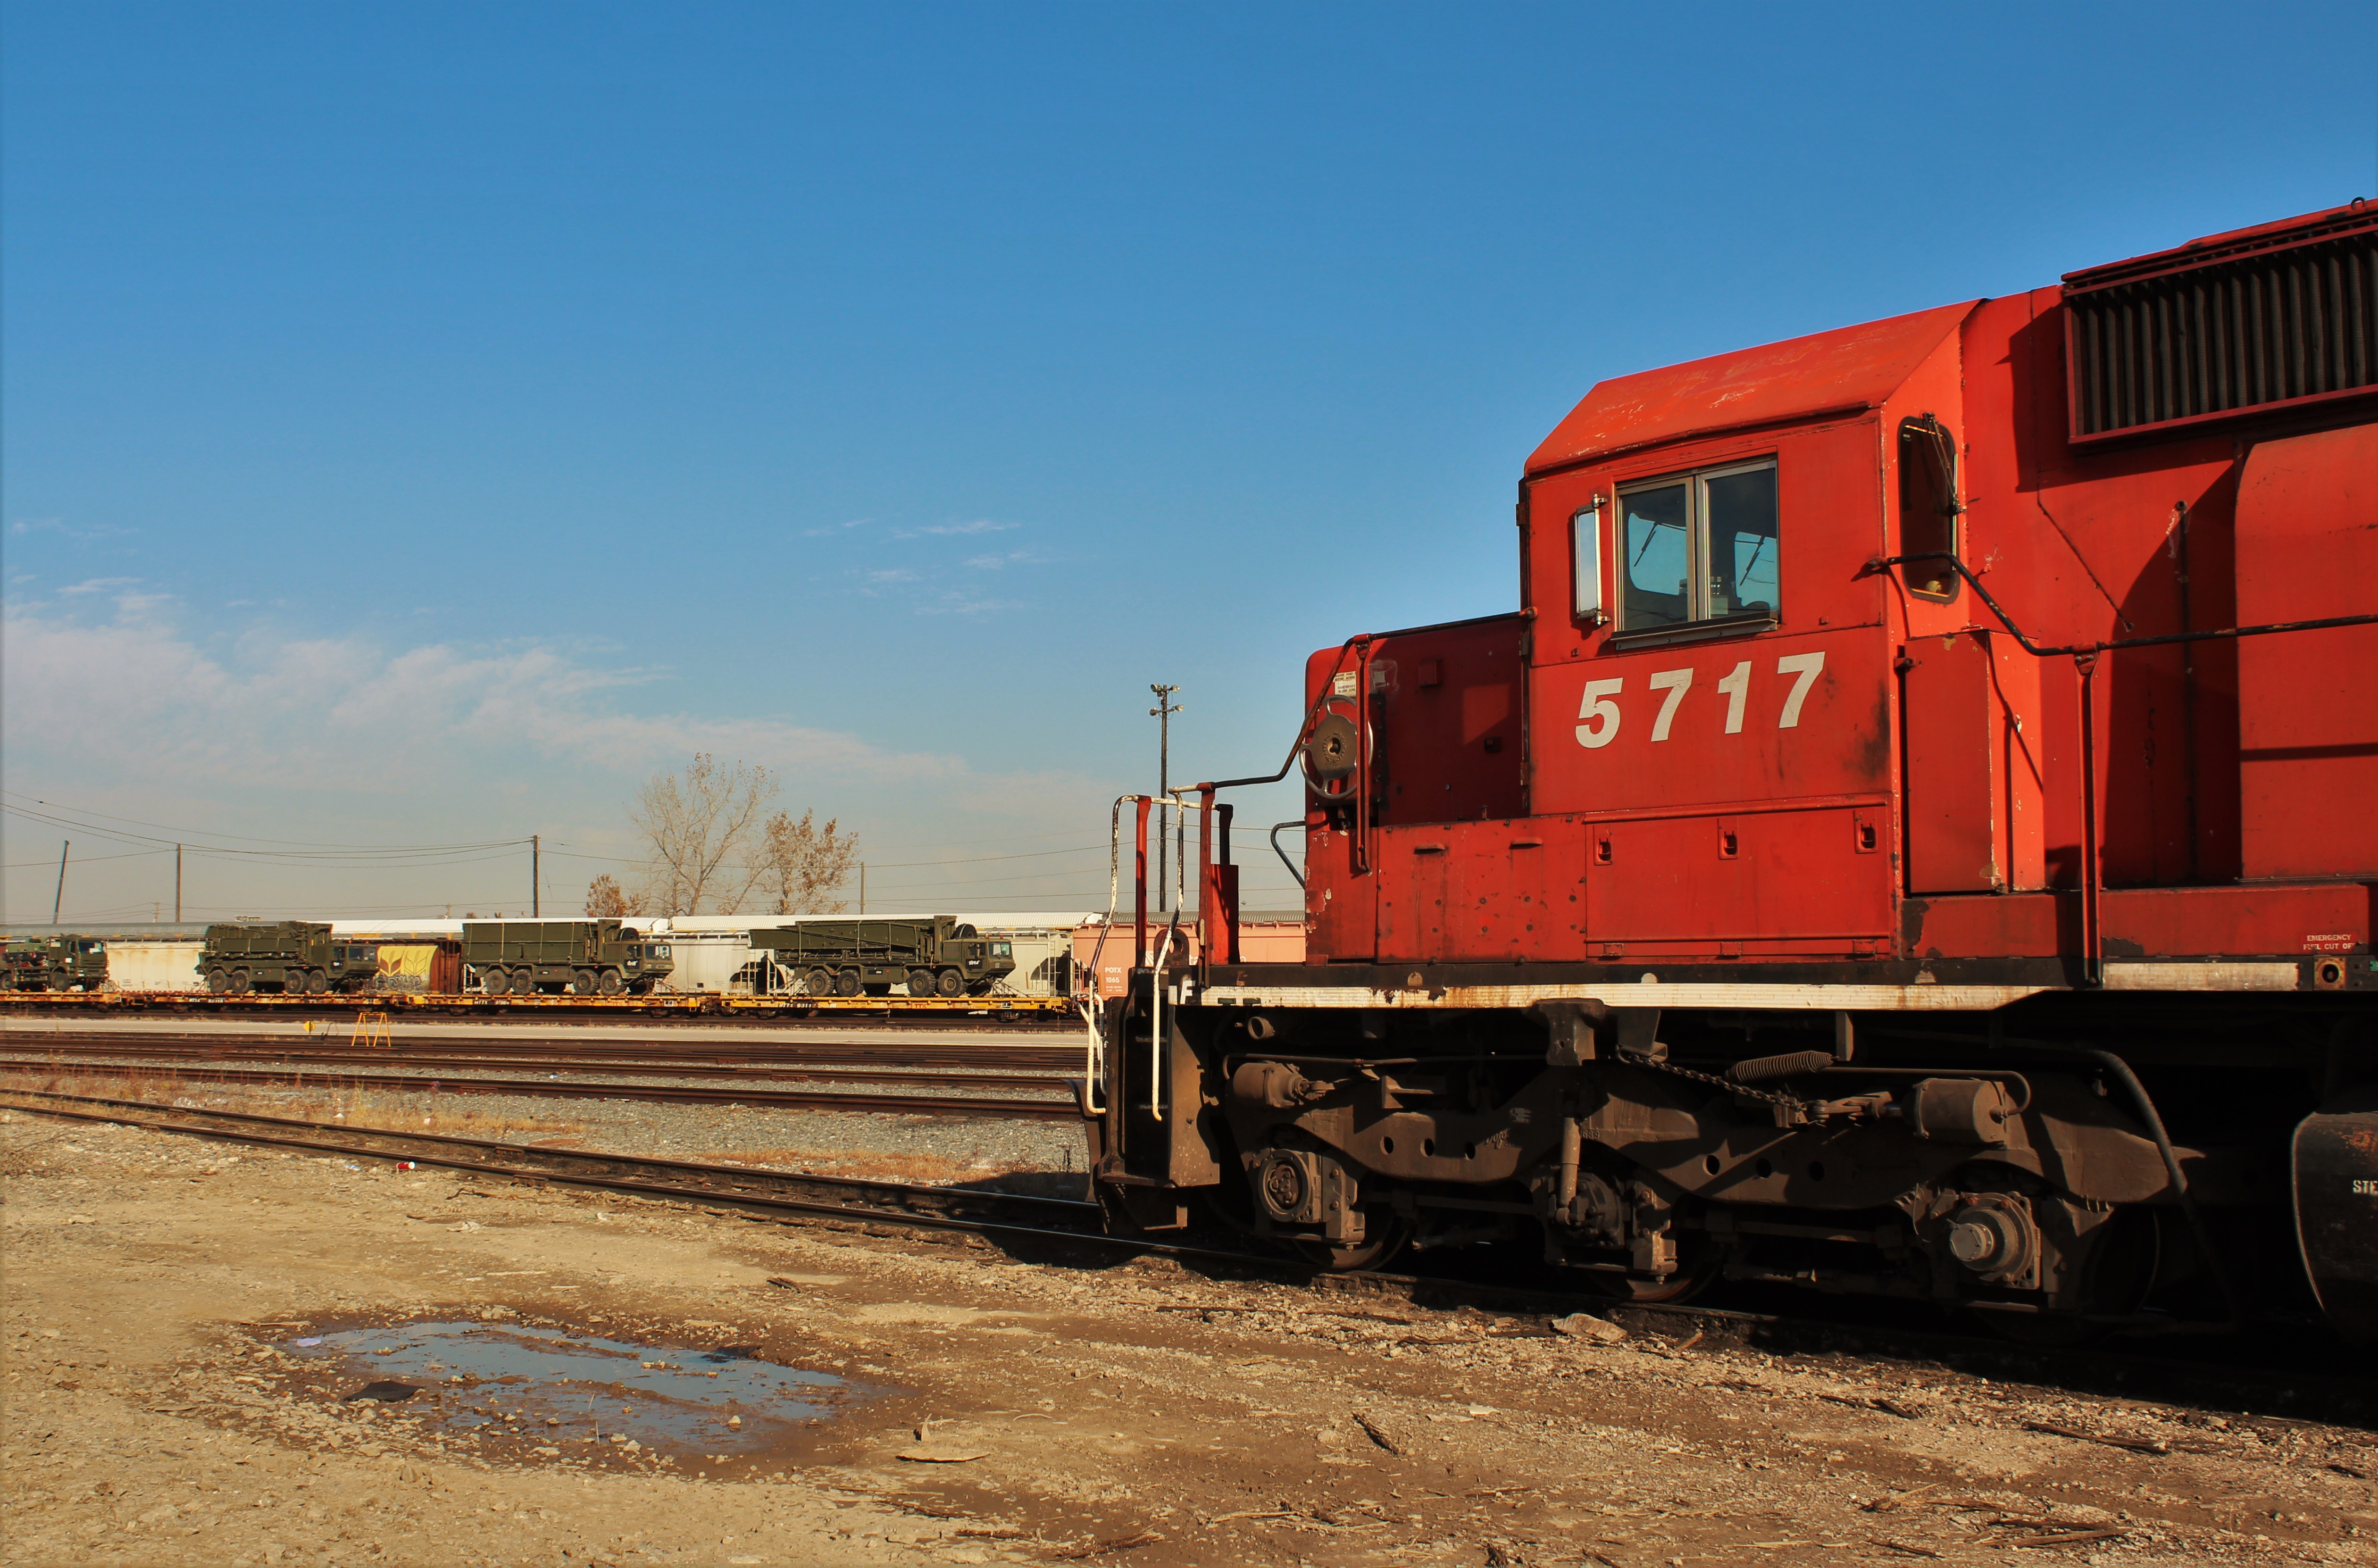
161, 1406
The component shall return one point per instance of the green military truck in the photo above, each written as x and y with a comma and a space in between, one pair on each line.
844, 958
293, 957
586, 958
54, 964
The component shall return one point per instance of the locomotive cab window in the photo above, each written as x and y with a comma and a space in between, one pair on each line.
1928, 508
1700, 549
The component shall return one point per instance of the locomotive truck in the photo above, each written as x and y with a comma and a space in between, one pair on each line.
584, 958
54, 964
942, 956
293, 957
1913, 838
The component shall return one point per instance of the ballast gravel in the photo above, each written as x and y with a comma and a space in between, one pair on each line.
1014, 1407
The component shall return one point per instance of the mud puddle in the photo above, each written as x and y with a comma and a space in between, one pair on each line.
567, 1392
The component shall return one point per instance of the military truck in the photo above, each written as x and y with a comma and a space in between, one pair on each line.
293, 957
585, 958
54, 964
844, 958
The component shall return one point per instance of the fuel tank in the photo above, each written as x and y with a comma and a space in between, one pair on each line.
2335, 1168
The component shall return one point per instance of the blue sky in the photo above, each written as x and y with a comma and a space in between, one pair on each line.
423, 423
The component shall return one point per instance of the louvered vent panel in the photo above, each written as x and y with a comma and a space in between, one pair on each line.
2262, 329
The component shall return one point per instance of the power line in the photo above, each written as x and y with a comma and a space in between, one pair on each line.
299, 844
355, 855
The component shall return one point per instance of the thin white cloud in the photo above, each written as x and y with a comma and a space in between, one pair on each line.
60, 526
948, 530
344, 714
966, 604
99, 585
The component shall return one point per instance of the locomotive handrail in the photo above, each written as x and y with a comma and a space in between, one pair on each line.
1298, 744
1142, 958
2076, 649
1292, 822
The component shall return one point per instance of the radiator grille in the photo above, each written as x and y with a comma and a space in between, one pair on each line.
2281, 324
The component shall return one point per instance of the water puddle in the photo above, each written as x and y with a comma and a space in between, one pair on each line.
576, 1391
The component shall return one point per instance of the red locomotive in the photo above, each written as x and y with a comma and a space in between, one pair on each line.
1917, 836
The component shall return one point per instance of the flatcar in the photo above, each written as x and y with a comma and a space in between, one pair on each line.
1916, 837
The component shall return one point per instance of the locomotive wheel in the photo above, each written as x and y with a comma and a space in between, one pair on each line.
218, 980
607, 983
847, 984
1386, 1239
240, 982
1699, 1264
920, 982
818, 982
495, 982
2116, 1276
951, 984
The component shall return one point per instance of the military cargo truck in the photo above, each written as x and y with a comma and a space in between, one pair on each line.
585, 958
293, 957
845, 958
54, 964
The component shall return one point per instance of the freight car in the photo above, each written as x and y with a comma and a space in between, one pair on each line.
293, 957
1914, 837
54, 964
584, 958
942, 956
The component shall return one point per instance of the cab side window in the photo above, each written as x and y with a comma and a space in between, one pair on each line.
1928, 508
1700, 548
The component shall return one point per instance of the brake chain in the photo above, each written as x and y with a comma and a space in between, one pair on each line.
1713, 1079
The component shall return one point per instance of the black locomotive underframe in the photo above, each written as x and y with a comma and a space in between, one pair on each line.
1839, 1202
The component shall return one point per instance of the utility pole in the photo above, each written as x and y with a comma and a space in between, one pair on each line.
59, 903
862, 887
177, 884
1162, 714
535, 886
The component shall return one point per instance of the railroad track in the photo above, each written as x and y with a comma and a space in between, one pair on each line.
2315, 1380
739, 1186
666, 1009
710, 1054
140, 1056
1005, 1106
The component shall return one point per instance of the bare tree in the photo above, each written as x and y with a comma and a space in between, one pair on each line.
698, 827
606, 899
802, 863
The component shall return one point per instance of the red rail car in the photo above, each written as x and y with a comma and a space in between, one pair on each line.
1918, 835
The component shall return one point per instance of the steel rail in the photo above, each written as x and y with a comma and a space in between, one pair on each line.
775, 1050
2116, 1376
936, 1012
658, 1067
1068, 1109
708, 1184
